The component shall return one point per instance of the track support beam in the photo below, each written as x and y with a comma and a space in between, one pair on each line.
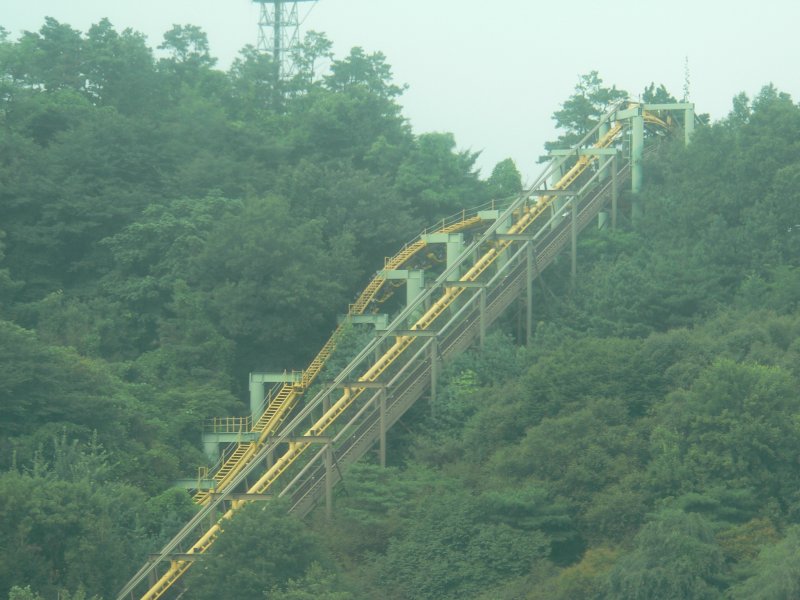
528, 293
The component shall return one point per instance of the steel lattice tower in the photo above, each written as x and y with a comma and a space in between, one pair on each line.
279, 32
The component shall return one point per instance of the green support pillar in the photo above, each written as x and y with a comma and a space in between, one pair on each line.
605, 126
558, 202
328, 481
637, 155
414, 285
502, 228
258, 393
415, 281
382, 424
454, 246
574, 236
257, 396
528, 292
637, 152
211, 450
482, 316
434, 355
614, 190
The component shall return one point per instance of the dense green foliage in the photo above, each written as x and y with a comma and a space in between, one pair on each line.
164, 228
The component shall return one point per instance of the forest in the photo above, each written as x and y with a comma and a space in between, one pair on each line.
166, 226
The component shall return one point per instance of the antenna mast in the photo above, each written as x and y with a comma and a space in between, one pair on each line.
279, 33
686, 79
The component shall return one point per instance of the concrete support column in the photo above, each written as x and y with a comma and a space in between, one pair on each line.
211, 450
454, 247
414, 285
257, 395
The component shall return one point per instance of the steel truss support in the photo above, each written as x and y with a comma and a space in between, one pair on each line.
382, 426
434, 358
328, 481
574, 240
614, 190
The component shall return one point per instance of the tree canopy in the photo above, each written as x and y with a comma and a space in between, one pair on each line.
168, 227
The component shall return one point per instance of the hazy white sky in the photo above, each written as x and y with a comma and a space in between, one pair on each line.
494, 72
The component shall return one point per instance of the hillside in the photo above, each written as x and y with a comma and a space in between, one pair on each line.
164, 225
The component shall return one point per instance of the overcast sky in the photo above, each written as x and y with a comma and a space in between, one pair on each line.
493, 72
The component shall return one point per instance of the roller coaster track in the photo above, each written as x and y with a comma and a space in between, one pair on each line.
400, 372
280, 405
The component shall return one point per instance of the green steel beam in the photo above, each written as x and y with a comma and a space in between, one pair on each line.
212, 437
671, 106
394, 274
627, 113
285, 377
637, 152
442, 238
